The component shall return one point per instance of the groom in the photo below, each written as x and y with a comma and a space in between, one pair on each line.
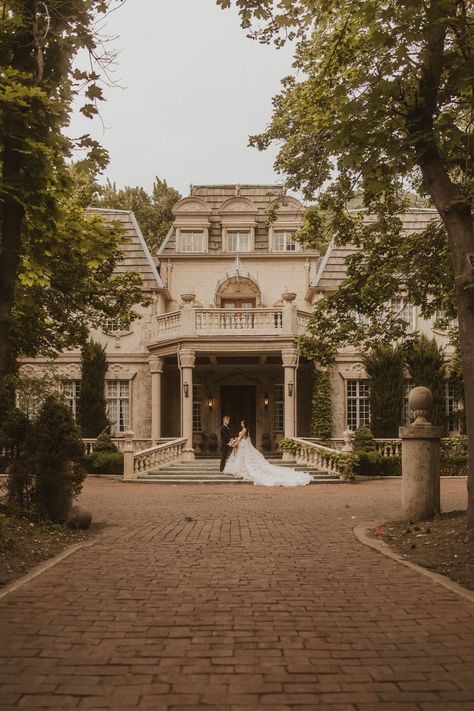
225, 438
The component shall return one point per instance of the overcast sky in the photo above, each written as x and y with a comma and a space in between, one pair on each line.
193, 88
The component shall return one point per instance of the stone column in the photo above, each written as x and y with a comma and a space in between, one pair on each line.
156, 369
186, 361
289, 325
289, 357
420, 460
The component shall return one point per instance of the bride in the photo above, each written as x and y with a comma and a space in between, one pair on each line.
247, 462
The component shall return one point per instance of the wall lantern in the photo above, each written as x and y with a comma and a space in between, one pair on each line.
265, 400
290, 389
210, 401
186, 389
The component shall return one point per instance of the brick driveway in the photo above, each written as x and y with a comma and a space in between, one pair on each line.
263, 598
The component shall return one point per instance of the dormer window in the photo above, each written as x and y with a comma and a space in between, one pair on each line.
238, 241
192, 241
284, 241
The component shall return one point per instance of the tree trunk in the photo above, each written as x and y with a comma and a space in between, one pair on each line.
457, 217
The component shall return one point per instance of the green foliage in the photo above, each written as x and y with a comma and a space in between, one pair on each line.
104, 462
92, 413
454, 456
342, 463
363, 440
384, 366
153, 211
54, 449
14, 433
426, 362
104, 443
56, 263
321, 412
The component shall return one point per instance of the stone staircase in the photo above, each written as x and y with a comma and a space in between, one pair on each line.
206, 471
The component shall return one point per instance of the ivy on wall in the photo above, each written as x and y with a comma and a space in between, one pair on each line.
321, 406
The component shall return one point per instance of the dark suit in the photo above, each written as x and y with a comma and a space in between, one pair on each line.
225, 438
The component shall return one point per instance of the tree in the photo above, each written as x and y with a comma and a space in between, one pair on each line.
92, 411
38, 44
153, 212
384, 365
427, 365
383, 102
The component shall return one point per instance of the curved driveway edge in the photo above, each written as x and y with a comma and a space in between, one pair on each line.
361, 533
46, 565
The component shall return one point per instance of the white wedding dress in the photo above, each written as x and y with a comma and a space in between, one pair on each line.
247, 462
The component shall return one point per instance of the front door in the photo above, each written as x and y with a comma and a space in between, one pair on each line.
240, 402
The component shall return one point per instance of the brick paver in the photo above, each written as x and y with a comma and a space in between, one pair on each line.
236, 598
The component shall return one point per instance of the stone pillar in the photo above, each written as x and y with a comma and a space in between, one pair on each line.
188, 314
128, 453
186, 361
289, 357
289, 317
420, 460
156, 369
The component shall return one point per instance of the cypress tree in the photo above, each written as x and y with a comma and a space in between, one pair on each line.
321, 412
426, 362
92, 413
384, 366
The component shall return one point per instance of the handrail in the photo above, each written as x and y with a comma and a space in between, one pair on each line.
138, 464
326, 459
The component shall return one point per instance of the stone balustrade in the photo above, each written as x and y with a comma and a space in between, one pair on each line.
138, 464
119, 442
220, 322
325, 459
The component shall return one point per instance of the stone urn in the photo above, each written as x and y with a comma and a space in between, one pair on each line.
188, 298
420, 401
288, 296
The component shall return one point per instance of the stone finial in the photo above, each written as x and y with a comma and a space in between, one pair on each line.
420, 401
348, 437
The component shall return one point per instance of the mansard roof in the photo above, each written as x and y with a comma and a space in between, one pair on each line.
137, 257
332, 269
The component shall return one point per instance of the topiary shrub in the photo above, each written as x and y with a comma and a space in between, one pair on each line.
54, 449
103, 463
368, 463
92, 411
426, 362
364, 440
14, 433
384, 366
454, 456
104, 443
390, 466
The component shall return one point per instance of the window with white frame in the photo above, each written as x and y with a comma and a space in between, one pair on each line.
357, 403
192, 241
401, 309
111, 325
278, 407
452, 407
197, 408
118, 404
238, 241
407, 414
71, 390
284, 241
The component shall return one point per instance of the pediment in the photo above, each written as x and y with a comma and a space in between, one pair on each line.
237, 205
191, 205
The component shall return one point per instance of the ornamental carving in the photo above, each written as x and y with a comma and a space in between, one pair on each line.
289, 357
187, 358
156, 364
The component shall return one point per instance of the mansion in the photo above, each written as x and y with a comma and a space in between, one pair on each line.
231, 293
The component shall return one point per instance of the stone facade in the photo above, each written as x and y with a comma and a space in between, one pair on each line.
231, 292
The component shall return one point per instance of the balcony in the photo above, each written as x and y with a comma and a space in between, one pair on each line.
196, 322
